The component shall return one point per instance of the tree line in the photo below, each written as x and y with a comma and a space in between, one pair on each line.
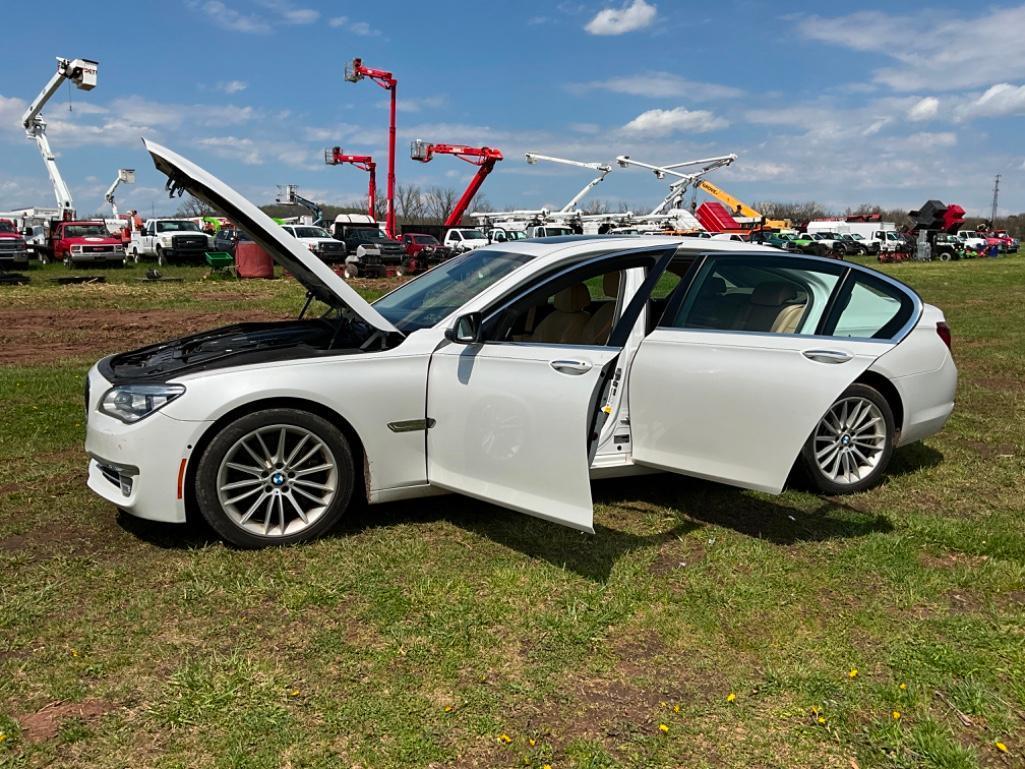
431, 205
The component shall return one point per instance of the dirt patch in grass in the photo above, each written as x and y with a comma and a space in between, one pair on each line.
46, 722
951, 560
991, 450
32, 337
677, 554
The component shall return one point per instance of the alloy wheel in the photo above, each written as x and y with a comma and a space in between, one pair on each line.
850, 440
277, 480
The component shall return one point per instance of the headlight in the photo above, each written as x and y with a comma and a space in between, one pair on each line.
312, 247
130, 403
76, 249
119, 249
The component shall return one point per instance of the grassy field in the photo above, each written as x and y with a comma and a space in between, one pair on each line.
701, 626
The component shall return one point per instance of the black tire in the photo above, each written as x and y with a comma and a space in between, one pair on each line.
161, 259
210, 461
824, 482
69, 262
135, 255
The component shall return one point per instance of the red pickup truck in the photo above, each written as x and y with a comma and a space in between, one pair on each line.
88, 241
13, 249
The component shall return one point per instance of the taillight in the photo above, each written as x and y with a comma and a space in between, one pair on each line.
944, 331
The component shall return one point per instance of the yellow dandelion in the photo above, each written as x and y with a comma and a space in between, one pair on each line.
676, 708
3, 737
853, 673
533, 742
295, 692
664, 728
903, 687
896, 715
731, 697
821, 719
505, 739
74, 652
547, 766
1000, 746
663, 704
448, 708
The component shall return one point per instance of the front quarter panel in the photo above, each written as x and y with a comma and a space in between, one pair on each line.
368, 391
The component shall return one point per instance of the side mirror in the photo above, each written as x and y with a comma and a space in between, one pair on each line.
466, 329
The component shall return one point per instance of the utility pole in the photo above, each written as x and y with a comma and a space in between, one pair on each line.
996, 194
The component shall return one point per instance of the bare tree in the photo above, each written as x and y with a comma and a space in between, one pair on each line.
595, 207
191, 207
439, 201
409, 203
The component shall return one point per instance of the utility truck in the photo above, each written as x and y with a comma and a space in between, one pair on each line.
170, 240
82, 242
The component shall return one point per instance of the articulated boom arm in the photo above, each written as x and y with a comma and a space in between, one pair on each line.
602, 169
82, 72
678, 188
735, 206
126, 175
335, 157
482, 157
289, 196
354, 72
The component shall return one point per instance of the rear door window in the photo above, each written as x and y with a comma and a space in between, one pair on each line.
869, 308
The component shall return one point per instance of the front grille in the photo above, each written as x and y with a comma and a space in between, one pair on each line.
11, 246
371, 259
97, 249
182, 242
332, 248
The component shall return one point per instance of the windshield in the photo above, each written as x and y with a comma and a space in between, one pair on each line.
472, 234
440, 292
856, 237
516, 235
557, 231
426, 240
310, 232
86, 231
177, 227
6, 227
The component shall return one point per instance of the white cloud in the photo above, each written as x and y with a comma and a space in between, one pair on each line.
924, 109
230, 19
288, 13
658, 85
363, 29
417, 105
617, 21
662, 122
337, 21
1000, 99
943, 53
232, 86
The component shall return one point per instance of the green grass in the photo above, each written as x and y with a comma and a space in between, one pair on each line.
425, 634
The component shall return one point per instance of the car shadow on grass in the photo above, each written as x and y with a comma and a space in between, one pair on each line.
686, 504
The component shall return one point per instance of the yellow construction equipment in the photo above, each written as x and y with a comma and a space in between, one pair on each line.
740, 208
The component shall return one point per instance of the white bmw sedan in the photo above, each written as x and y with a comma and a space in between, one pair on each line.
515, 374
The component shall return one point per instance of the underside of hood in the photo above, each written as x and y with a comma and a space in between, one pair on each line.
322, 282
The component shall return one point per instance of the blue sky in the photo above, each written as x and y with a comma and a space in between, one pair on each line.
879, 105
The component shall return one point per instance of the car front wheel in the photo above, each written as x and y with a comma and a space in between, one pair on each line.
275, 477
850, 447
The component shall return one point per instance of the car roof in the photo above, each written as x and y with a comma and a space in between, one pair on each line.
567, 246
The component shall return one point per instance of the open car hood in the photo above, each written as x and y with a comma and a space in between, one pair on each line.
319, 279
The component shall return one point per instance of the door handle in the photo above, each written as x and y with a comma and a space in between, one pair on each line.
571, 366
827, 356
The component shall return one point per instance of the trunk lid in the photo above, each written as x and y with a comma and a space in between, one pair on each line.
322, 282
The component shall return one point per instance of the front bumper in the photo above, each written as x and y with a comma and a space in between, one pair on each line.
140, 468
96, 256
14, 257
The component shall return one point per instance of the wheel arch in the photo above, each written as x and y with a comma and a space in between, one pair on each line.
886, 388
361, 484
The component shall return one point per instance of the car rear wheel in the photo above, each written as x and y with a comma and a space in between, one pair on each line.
850, 447
275, 477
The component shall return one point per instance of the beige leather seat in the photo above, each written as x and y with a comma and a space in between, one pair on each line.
600, 325
772, 307
567, 321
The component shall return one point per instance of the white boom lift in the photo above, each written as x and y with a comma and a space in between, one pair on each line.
287, 195
81, 72
602, 169
674, 200
124, 175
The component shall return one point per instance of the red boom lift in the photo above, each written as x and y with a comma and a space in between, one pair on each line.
335, 157
355, 72
482, 157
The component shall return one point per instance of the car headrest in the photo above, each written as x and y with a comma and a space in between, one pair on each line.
572, 299
714, 286
610, 285
773, 294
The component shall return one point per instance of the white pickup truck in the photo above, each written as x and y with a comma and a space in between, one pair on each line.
318, 241
168, 240
461, 239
